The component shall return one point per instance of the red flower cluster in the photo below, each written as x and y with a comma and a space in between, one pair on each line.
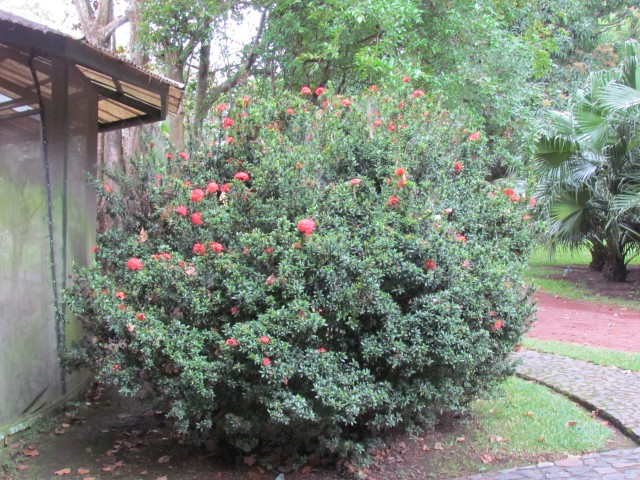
228, 122
354, 181
497, 325
181, 209
377, 122
222, 107
474, 136
242, 176
457, 166
417, 93
320, 91
400, 172
373, 88
161, 256
306, 226
134, 264
141, 316
430, 265
216, 247
264, 339
199, 249
511, 194
212, 187
107, 188
405, 79
232, 342
120, 295
266, 362
196, 218
393, 200
305, 90
183, 155
346, 102
197, 195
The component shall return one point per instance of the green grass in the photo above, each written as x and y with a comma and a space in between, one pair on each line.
599, 356
541, 266
532, 419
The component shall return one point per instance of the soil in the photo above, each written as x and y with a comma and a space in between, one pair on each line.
590, 322
107, 436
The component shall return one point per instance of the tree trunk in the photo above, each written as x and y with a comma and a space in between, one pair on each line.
176, 122
598, 257
615, 269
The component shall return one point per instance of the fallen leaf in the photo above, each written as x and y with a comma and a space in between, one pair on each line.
143, 236
14, 446
64, 471
541, 439
250, 460
122, 416
305, 470
495, 439
162, 478
438, 446
89, 478
604, 423
255, 476
461, 439
486, 459
107, 469
426, 448
164, 459
83, 471
570, 423
21, 467
528, 414
31, 452
65, 425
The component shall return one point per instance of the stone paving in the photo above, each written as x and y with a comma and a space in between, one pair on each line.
615, 392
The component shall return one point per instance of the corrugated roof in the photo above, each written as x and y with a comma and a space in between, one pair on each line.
128, 94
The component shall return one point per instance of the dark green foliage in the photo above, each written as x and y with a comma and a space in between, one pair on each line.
384, 314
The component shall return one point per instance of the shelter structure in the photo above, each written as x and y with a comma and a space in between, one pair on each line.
56, 94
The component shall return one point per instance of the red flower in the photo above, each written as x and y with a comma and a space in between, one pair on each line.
417, 93
268, 250
107, 188
298, 165
322, 350
532, 202
474, 136
242, 176
234, 310
497, 325
430, 265
222, 107
183, 155
405, 79
377, 122
457, 166
116, 367
196, 218
212, 187
227, 122
264, 339
306, 226
199, 249
491, 194
509, 192
305, 91
120, 295
393, 200
182, 210
169, 156
461, 238
232, 342
141, 316
325, 104
346, 102
373, 88
94, 249
391, 127
400, 172
297, 245
320, 91
229, 140
266, 362
401, 105
134, 264
197, 195
290, 111
225, 188
354, 181
216, 247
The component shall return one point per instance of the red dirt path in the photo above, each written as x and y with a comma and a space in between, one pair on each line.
586, 323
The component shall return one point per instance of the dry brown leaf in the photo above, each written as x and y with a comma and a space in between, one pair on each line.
426, 448
604, 423
255, 476
89, 478
164, 459
143, 236
305, 470
144, 473
270, 280
65, 425
486, 459
164, 477
541, 439
495, 439
107, 469
21, 467
14, 446
250, 460
31, 452
438, 446
461, 439
570, 423
83, 471
64, 471
122, 416
528, 414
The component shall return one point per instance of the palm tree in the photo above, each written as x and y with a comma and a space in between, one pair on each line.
588, 162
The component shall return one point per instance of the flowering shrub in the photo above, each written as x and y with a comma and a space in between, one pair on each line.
343, 280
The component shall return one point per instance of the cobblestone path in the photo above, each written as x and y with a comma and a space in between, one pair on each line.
615, 392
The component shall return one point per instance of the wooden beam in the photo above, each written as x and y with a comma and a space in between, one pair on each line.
12, 116
128, 101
